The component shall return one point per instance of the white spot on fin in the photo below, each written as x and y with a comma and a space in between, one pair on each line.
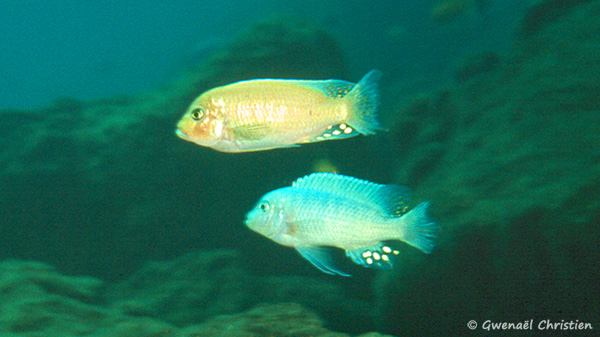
338, 131
372, 257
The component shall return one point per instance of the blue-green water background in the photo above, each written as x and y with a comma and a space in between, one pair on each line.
95, 182
96, 49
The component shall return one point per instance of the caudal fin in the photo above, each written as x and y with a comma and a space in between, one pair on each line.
415, 228
364, 101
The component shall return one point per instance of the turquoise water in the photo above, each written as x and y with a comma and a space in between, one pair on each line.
98, 49
113, 226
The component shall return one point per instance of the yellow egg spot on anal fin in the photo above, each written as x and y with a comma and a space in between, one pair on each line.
338, 131
372, 257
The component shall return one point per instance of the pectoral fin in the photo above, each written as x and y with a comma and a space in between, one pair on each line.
250, 132
320, 257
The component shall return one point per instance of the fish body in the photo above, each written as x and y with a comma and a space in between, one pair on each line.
330, 210
265, 114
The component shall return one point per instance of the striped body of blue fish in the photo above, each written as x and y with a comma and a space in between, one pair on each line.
330, 210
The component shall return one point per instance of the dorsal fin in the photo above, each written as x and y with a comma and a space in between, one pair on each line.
337, 88
331, 88
391, 199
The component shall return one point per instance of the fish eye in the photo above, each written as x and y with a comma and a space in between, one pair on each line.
197, 114
264, 206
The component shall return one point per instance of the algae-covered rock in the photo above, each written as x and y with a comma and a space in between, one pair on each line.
37, 300
188, 289
284, 47
161, 300
332, 302
100, 187
199, 285
510, 161
76, 136
477, 65
17, 276
281, 47
545, 12
112, 174
137, 327
283, 320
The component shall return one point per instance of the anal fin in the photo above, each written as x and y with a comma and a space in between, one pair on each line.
338, 131
377, 257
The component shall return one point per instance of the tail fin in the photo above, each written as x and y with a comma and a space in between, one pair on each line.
363, 104
415, 228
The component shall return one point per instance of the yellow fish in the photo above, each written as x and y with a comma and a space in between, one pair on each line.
266, 114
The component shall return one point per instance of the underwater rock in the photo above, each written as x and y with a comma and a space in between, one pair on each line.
199, 285
477, 65
510, 143
282, 320
329, 300
136, 327
511, 163
283, 47
19, 275
80, 136
36, 300
93, 171
545, 12
186, 290
285, 319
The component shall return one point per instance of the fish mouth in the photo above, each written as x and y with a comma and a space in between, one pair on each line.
182, 135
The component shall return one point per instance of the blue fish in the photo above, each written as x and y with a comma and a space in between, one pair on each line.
324, 210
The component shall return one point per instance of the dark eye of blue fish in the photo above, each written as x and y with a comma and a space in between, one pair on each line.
197, 114
264, 206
